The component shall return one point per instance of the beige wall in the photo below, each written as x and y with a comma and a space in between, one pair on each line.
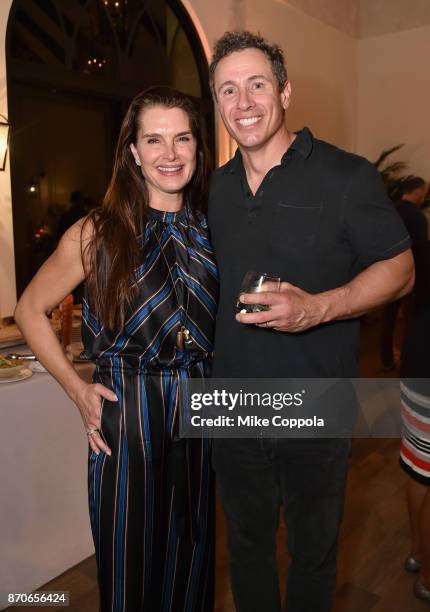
323, 67
394, 97
7, 263
211, 19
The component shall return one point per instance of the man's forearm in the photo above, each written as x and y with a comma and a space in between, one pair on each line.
382, 282
295, 310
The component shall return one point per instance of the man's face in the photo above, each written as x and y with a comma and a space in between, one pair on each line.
248, 96
418, 195
422, 194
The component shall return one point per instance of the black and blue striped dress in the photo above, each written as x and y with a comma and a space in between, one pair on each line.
152, 501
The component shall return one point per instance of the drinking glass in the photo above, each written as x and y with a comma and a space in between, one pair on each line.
257, 282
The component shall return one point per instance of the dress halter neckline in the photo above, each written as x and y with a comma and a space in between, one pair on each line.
167, 217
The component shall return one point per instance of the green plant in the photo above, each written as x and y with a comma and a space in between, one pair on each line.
390, 172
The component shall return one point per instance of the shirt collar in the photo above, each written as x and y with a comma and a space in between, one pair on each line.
303, 144
235, 164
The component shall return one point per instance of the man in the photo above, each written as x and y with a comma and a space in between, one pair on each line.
74, 212
414, 194
292, 206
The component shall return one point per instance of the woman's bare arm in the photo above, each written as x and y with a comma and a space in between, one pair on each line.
56, 278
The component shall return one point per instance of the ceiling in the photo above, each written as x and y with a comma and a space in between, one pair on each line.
367, 18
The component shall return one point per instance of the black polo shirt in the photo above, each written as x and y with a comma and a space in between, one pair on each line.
317, 220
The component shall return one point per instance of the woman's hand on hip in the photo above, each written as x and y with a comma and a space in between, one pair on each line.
89, 401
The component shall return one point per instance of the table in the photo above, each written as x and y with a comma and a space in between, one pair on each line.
44, 521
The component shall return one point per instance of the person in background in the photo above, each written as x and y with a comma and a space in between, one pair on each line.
414, 192
425, 209
415, 389
74, 212
148, 319
89, 204
318, 217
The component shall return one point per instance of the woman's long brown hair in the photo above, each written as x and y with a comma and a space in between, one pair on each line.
113, 253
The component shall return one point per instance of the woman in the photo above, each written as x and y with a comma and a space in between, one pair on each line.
151, 286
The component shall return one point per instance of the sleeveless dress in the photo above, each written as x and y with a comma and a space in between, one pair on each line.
152, 501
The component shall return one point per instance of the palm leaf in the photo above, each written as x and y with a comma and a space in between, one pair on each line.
395, 167
390, 172
386, 154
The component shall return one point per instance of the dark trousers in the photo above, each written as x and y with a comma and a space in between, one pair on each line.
306, 476
388, 325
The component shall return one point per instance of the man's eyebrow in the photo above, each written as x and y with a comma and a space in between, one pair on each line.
251, 78
257, 76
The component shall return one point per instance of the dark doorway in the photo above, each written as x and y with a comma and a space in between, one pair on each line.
72, 68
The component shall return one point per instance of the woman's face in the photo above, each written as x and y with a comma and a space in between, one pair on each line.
165, 149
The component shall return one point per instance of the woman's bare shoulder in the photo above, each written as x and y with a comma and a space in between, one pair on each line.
82, 230
76, 239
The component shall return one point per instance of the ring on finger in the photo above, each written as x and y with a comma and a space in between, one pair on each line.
91, 432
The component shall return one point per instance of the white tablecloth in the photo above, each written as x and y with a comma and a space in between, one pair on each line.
44, 522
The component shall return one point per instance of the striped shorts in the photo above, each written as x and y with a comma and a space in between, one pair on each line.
415, 444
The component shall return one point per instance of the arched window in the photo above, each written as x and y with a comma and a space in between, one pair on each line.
72, 68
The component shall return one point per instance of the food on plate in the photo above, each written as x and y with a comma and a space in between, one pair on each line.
9, 363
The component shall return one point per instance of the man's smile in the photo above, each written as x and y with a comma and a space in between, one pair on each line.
247, 121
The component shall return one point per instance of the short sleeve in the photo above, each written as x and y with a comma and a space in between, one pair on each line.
373, 227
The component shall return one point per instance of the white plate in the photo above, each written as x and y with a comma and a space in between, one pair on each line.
22, 375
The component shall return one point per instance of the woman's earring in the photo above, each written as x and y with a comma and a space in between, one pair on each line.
137, 160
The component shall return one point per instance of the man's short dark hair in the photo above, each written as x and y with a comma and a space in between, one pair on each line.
239, 40
410, 183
